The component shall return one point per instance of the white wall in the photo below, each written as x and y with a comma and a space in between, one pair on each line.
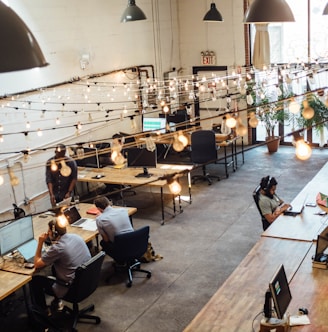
172, 37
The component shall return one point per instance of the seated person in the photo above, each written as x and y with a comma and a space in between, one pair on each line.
110, 222
67, 252
270, 204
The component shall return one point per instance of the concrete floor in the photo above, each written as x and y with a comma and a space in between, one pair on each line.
201, 247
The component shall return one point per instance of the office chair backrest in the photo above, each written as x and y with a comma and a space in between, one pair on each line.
203, 146
256, 196
86, 279
131, 245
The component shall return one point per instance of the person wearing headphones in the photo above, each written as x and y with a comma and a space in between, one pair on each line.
60, 184
270, 204
66, 252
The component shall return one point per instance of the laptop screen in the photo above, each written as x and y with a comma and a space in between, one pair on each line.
72, 214
15, 234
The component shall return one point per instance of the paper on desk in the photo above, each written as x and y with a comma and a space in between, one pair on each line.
89, 225
299, 320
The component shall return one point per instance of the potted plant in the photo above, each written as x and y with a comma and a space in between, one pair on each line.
314, 113
271, 114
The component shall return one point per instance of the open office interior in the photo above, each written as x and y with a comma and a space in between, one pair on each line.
105, 84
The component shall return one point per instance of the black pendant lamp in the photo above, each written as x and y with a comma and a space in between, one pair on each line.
19, 50
213, 15
266, 11
133, 13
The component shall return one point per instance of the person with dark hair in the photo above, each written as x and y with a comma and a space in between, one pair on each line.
66, 252
61, 175
270, 204
110, 222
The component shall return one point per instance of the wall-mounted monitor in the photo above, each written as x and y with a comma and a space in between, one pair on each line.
280, 294
154, 124
142, 158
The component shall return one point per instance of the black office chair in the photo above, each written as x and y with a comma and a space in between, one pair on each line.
256, 196
85, 283
203, 152
127, 250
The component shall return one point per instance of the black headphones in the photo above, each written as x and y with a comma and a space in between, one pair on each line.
54, 231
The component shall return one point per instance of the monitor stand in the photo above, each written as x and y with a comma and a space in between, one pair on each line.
278, 325
145, 174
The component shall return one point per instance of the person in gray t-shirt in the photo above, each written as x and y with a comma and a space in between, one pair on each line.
110, 222
66, 253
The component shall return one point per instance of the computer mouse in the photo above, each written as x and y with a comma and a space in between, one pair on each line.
303, 311
98, 176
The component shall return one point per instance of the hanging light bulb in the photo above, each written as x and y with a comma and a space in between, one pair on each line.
308, 111
231, 121
150, 144
303, 150
166, 109
253, 120
1, 180
14, 181
39, 132
117, 157
249, 99
241, 130
65, 169
61, 220
294, 107
174, 186
177, 144
183, 138
53, 165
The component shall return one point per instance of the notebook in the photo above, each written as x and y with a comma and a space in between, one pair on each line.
74, 218
295, 210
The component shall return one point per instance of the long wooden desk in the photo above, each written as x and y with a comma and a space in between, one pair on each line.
40, 225
309, 289
127, 176
241, 297
288, 241
308, 225
11, 282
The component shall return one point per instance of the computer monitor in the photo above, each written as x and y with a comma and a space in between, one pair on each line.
321, 252
15, 233
279, 293
154, 124
142, 158
90, 158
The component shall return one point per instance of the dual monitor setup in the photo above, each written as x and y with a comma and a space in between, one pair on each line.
136, 157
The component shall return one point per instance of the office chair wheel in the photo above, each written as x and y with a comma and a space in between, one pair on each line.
148, 275
129, 284
98, 320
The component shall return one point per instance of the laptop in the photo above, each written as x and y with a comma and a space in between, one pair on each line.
74, 218
295, 210
64, 202
28, 249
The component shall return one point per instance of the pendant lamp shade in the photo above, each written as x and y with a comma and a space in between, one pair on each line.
19, 50
325, 11
267, 11
213, 15
133, 13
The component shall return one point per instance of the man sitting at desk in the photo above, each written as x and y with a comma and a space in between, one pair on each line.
66, 253
270, 204
110, 222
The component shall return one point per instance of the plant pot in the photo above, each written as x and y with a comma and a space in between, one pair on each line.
273, 143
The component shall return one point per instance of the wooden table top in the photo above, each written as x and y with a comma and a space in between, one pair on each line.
309, 289
308, 225
127, 175
10, 282
241, 297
